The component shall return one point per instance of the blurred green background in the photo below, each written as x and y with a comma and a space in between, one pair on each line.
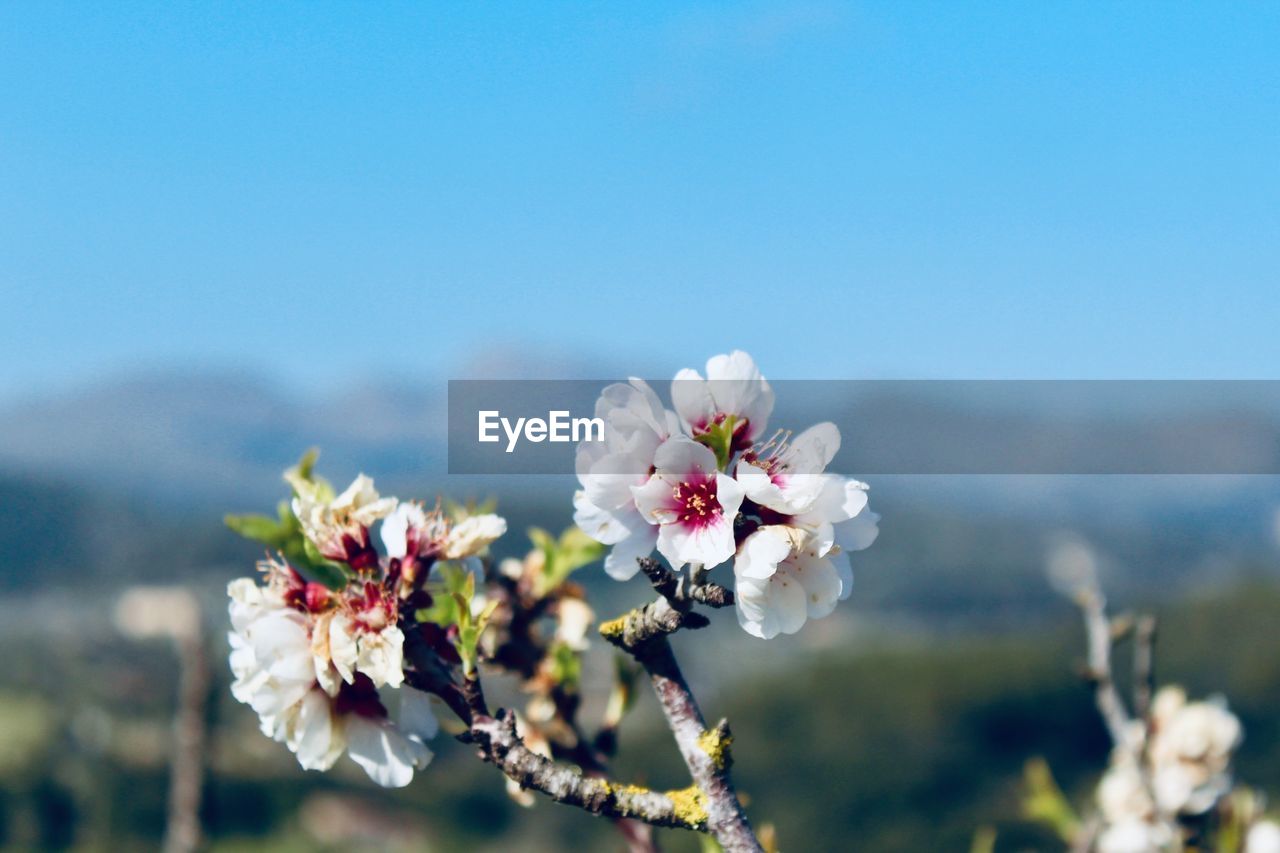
900, 723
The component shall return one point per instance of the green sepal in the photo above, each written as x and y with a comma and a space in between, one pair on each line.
719, 438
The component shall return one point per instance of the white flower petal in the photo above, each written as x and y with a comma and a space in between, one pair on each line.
386, 754
472, 535
621, 563
761, 552
316, 737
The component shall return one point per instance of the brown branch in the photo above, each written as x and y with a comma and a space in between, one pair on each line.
643, 633
669, 613
500, 745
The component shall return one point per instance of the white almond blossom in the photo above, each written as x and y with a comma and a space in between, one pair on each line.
312, 678
692, 503
413, 537
796, 567
734, 388
789, 480
339, 527
784, 577
636, 425
365, 642
1175, 769
409, 529
710, 493
271, 657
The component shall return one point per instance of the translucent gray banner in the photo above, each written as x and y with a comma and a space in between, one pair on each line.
918, 426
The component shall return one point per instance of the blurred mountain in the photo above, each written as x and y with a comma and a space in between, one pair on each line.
216, 441
199, 440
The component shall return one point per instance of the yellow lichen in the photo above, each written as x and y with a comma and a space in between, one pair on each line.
690, 805
715, 743
613, 628
629, 790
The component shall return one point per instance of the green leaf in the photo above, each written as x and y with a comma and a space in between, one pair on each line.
623, 694
260, 528
460, 511
566, 665
303, 480
1044, 802
562, 557
984, 840
707, 844
284, 535
452, 598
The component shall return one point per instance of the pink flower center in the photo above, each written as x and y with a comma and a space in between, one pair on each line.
694, 500
373, 611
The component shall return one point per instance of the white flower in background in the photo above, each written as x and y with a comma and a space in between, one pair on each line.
785, 577
1122, 795
1137, 836
339, 528
692, 503
158, 611
1263, 837
733, 389
472, 535
1190, 753
573, 623
636, 425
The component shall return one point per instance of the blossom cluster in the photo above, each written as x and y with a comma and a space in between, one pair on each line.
1176, 773
703, 486
319, 662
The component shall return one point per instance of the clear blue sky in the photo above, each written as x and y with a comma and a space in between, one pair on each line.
320, 191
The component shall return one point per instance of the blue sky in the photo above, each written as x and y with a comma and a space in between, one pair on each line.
320, 192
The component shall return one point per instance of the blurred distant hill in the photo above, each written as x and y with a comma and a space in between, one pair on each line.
203, 439
130, 478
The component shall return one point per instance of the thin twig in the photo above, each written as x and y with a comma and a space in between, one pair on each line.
1144, 675
1106, 695
183, 833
